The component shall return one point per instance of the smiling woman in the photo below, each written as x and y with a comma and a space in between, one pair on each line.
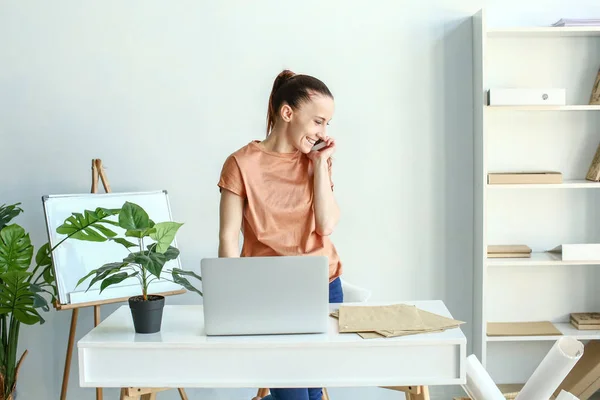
279, 191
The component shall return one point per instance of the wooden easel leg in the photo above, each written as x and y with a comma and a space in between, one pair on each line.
67, 370
96, 322
132, 393
182, 394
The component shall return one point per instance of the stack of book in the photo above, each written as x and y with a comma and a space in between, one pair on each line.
586, 321
509, 251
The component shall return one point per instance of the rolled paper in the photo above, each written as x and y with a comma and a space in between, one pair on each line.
566, 396
553, 369
479, 384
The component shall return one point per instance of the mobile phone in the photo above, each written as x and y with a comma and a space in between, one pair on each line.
319, 145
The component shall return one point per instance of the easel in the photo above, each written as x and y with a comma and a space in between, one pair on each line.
98, 172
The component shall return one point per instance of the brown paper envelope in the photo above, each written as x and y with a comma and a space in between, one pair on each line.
373, 318
436, 321
390, 334
433, 323
370, 335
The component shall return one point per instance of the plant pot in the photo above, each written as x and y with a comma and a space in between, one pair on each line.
147, 315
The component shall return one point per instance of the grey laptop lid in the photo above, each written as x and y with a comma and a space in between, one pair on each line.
265, 295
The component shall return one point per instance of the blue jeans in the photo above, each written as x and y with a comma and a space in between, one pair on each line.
336, 295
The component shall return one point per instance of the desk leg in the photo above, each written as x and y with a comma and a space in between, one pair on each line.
422, 393
125, 395
412, 392
97, 321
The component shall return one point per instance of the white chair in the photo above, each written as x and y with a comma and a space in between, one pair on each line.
352, 294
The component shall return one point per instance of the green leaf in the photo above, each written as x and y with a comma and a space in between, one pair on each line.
124, 242
40, 302
133, 217
89, 225
164, 235
7, 213
17, 299
116, 278
48, 275
42, 257
151, 262
101, 272
107, 232
171, 253
139, 233
179, 278
16, 250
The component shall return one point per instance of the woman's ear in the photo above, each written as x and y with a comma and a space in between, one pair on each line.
286, 112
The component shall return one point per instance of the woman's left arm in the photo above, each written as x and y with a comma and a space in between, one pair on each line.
327, 212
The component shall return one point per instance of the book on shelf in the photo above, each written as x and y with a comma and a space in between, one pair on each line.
524, 177
508, 251
586, 320
566, 22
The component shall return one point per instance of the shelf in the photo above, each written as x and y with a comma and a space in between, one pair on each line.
566, 328
537, 258
567, 184
572, 107
544, 31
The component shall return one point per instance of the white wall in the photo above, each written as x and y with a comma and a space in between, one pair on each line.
164, 91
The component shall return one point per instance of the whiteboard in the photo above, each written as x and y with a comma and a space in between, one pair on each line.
74, 258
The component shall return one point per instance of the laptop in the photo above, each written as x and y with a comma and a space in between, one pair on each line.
265, 295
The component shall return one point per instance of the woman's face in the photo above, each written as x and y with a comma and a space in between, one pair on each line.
308, 123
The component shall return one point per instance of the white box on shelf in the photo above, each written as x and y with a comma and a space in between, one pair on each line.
578, 252
527, 97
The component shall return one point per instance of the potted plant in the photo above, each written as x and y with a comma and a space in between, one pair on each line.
152, 247
22, 292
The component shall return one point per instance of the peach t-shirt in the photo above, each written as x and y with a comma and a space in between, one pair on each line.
279, 219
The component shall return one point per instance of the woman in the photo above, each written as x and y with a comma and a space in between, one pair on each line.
279, 191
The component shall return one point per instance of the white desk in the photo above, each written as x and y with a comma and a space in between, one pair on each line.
181, 355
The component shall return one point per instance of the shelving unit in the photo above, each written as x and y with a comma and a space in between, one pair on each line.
543, 287
568, 184
575, 107
542, 31
565, 328
537, 258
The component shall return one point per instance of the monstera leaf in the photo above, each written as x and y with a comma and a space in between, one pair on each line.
7, 213
16, 250
17, 299
89, 225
